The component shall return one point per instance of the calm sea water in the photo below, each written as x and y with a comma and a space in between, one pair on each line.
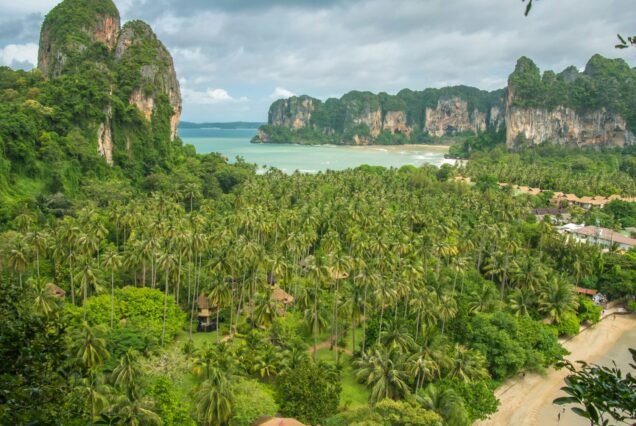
305, 158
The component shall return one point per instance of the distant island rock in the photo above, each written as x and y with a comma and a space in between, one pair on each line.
596, 107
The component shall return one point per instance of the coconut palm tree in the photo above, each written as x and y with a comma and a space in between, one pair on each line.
87, 348
112, 261
557, 298
38, 241
127, 375
384, 371
167, 262
468, 365
446, 403
213, 401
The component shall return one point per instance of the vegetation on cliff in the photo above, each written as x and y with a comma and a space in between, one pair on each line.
363, 115
605, 83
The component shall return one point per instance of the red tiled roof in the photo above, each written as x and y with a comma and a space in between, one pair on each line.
588, 291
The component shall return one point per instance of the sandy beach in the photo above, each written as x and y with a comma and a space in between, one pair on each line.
527, 401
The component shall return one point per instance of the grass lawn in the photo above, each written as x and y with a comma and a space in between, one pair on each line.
353, 394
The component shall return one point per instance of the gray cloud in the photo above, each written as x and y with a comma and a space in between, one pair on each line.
233, 55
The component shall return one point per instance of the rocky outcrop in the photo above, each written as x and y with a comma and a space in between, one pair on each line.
143, 68
71, 27
395, 122
293, 113
139, 48
453, 116
562, 125
570, 108
105, 137
362, 118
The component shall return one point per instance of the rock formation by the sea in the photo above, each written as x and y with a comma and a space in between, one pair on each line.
594, 108
363, 118
77, 32
572, 108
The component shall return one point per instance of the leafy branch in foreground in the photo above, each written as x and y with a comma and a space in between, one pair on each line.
602, 391
528, 7
625, 43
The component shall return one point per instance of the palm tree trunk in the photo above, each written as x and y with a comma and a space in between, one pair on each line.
165, 310
178, 289
381, 318
112, 297
70, 267
364, 319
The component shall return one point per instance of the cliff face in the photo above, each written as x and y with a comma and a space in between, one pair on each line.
71, 27
593, 108
563, 125
294, 113
142, 70
151, 69
362, 118
453, 116
571, 108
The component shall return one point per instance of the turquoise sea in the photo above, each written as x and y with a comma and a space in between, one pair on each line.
305, 158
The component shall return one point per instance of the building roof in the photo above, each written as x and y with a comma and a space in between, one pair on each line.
278, 421
55, 290
605, 234
337, 275
202, 302
588, 291
281, 295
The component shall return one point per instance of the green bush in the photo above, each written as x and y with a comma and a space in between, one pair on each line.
569, 325
588, 311
135, 308
251, 401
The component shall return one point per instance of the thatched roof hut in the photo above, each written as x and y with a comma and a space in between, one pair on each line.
280, 295
203, 303
337, 275
56, 291
278, 421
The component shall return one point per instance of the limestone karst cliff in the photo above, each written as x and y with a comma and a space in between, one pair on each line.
594, 108
83, 36
580, 109
364, 118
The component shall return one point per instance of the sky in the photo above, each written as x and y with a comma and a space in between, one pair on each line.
235, 57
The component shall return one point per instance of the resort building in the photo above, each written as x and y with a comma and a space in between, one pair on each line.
556, 215
597, 235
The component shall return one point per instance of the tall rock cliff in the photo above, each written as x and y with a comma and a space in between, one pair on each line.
148, 67
84, 38
364, 118
70, 31
593, 108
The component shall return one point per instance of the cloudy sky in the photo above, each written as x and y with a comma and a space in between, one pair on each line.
234, 57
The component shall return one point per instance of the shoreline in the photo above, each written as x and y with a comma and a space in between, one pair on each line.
527, 400
406, 145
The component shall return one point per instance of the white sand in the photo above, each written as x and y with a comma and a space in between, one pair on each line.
527, 401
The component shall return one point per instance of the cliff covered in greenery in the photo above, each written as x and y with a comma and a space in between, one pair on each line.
137, 102
596, 107
98, 116
363, 118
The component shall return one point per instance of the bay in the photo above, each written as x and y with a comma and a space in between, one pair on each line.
308, 158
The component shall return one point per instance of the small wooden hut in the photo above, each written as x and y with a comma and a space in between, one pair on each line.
205, 315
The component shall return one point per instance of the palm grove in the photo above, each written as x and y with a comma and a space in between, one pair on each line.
446, 285
413, 295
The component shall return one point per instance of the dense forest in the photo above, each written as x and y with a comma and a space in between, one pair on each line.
173, 288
